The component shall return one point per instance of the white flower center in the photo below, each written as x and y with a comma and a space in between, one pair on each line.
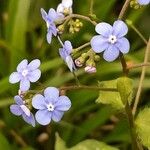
25, 110
50, 107
112, 39
25, 72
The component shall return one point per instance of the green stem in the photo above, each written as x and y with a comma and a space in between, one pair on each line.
82, 46
76, 79
137, 98
88, 88
91, 6
135, 144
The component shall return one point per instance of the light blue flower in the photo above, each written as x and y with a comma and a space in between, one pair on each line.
26, 73
20, 109
65, 54
143, 2
111, 40
51, 19
51, 106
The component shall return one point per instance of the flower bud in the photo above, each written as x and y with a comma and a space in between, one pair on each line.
78, 62
60, 29
90, 69
97, 58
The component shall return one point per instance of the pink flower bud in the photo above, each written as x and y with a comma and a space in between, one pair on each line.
90, 69
78, 63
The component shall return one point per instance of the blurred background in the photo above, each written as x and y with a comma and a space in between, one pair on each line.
23, 35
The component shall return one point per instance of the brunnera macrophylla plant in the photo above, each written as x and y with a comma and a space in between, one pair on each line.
110, 40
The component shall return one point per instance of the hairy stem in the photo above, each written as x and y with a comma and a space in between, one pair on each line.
138, 65
137, 98
137, 31
124, 9
91, 6
88, 88
82, 46
135, 144
80, 17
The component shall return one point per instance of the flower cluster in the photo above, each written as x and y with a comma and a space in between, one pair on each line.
51, 105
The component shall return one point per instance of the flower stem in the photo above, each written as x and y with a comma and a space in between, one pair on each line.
137, 31
60, 41
80, 17
76, 79
124, 65
135, 144
82, 46
91, 6
124, 9
137, 98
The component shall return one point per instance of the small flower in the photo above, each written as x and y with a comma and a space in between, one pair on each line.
65, 7
65, 55
51, 19
90, 69
20, 109
111, 40
51, 106
26, 73
143, 2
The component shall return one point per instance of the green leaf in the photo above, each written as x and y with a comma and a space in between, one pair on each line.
4, 143
125, 88
60, 144
85, 145
92, 145
18, 25
142, 123
109, 97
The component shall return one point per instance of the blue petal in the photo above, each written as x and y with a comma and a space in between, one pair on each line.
67, 3
123, 45
22, 65
18, 100
43, 117
57, 115
44, 14
119, 28
38, 102
29, 119
16, 110
34, 75
14, 77
99, 43
34, 64
24, 85
111, 53
70, 63
68, 47
49, 37
63, 104
52, 14
51, 92
143, 2
104, 29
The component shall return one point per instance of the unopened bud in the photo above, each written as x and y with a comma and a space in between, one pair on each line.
78, 63
90, 69
97, 58
61, 29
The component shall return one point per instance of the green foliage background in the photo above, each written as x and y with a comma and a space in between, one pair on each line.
22, 35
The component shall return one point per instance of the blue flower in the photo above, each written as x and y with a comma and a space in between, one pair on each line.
20, 109
111, 40
143, 2
26, 73
51, 19
51, 106
65, 7
65, 54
